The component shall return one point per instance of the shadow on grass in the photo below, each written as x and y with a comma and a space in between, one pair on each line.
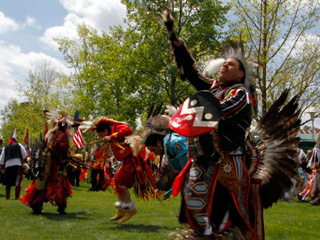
64, 217
141, 227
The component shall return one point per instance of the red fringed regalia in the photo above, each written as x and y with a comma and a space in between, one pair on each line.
52, 183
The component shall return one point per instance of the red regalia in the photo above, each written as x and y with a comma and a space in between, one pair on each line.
134, 170
52, 183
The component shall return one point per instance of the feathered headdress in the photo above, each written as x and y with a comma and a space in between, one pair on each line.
62, 117
155, 124
235, 51
101, 120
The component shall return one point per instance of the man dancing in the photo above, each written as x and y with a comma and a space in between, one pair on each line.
224, 190
133, 166
51, 184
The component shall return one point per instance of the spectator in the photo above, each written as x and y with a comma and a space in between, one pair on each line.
12, 158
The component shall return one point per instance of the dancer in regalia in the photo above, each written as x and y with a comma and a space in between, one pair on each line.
52, 154
171, 147
312, 190
223, 190
134, 170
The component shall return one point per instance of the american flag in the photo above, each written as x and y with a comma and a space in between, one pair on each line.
26, 142
26, 139
77, 139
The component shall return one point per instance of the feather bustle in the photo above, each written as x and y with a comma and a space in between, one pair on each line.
278, 129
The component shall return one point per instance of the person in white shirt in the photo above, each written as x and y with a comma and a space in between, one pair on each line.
11, 161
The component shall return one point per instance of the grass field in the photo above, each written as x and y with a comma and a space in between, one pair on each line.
89, 212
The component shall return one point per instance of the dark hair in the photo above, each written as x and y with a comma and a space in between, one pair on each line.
103, 126
152, 138
242, 68
62, 127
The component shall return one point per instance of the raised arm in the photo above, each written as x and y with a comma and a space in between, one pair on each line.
183, 58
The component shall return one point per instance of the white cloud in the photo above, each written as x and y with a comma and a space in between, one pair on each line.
99, 14
15, 66
307, 38
69, 30
31, 22
7, 24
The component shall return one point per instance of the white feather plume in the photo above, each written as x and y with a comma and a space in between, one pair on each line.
213, 66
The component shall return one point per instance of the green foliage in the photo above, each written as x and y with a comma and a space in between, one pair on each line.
122, 73
22, 117
40, 94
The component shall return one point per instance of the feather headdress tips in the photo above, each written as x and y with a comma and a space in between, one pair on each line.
235, 51
61, 116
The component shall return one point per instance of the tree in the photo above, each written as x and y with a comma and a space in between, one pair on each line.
199, 23
21, 116
121, 73
100, 83
41, 89
39, 94
273, 31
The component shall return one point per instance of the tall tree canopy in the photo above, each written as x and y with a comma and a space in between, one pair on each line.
276, 32
121, 73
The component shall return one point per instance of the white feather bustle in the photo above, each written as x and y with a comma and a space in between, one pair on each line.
136, 143
60, 116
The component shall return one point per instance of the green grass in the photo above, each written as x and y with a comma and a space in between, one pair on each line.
89, 212
293, 220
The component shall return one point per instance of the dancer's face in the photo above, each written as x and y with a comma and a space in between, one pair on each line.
157, 150
103, 134
230, 71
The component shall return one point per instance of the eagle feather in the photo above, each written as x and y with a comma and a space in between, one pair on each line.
278, 130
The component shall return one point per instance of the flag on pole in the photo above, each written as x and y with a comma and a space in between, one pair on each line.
26, 139
26, 142
77, 138
45, 129
14, 134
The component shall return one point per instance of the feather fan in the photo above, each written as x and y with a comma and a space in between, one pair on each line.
158, 123
278, 129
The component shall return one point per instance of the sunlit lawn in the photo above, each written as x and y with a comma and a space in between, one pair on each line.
89, 212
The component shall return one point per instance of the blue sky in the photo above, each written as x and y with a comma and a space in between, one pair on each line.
33, 17
27, 29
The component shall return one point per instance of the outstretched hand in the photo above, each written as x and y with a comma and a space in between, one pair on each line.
168, 21
107, 139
